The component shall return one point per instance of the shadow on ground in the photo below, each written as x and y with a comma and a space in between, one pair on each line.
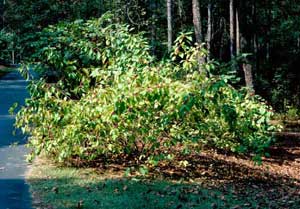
10, 195
286, 150
216, 184
8, 134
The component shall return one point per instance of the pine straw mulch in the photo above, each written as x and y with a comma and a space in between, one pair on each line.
274, 184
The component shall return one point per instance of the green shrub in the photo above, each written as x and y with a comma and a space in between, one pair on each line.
75, 54
145, 115
292, 113
130, 107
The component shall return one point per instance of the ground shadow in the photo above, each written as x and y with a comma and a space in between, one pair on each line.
216, 183
14, 194
136, 194
12, 91
287, 148
8, 134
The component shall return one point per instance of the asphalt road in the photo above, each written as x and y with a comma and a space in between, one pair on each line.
14, 193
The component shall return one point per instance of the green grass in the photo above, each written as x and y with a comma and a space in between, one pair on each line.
84, 188
67, 188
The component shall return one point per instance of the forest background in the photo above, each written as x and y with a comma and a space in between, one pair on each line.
268, 31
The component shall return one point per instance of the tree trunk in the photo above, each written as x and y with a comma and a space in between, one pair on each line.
209, 29
13, 57
255, 41
181, 14
2, 13
269, 15
170, 26
197, 21
247, 68
153, 26
223, 38
198, 30
231, 25
238, 38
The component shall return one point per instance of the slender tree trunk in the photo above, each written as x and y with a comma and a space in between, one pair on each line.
197, 21
238, 37
209, 29
248, 65
153, 26
231, 25
181, 13
198, 30
170, 25
2, 14
13, 57
247, 68
269, 15
223, 38
255, 42
255, 50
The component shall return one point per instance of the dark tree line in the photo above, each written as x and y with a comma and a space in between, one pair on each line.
267, 30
